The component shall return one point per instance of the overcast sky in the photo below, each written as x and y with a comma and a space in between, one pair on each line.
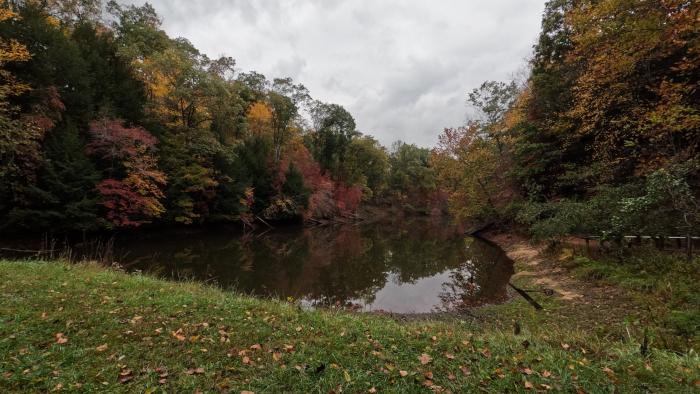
402, 68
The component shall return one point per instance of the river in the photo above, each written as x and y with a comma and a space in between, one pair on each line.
401, 265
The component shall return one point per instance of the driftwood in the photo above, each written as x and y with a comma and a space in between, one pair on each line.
267, 224
527, 297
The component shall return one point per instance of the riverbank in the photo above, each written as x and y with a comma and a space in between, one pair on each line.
83, 328
649, 294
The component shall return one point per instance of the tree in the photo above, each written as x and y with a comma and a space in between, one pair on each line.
492, 100
367, 164
133, 200
466, 160
74, 12
285, 99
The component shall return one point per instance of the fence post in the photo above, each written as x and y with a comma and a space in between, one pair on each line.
689, 246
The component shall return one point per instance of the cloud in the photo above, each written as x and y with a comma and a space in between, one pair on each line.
403, 68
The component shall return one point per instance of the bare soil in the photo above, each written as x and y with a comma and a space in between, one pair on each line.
585, 303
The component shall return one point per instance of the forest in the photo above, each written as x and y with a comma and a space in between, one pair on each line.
107, 122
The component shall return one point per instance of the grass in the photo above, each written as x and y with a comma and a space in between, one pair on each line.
668, 284
85, 329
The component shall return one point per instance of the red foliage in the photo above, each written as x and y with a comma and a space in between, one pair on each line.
115, 141
47, 111
123, 201
348, 199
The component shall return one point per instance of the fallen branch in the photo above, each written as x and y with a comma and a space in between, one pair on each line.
268, 225
527, 297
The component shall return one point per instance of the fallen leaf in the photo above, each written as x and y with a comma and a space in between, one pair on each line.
696, 382
565, 346
581, 391
26, 371
428, 375
526, 371
298, 329
162, 381
465, 342
256, 346
101, 348
150, 391
403, 373
487, 354
465, 370
60, 334
372, 390
427, 383
247, 392
448, 355
452, 376
297, 367
62, 340
649, 368
546, 373
222, 332
199, 370
277, 356
424, 359
347, 376
529, 385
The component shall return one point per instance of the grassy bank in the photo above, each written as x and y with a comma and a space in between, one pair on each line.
85, 329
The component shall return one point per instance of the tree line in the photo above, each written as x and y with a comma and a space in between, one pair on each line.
108, 122
599, 137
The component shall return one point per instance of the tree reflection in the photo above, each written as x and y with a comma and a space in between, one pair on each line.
337, 265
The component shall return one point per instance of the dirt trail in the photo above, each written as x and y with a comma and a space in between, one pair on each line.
590, 303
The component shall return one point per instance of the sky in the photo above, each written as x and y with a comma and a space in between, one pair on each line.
402, 68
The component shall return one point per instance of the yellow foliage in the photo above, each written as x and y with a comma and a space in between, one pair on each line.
11, 51
259, 119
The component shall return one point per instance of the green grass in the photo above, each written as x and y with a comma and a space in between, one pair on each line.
668, 283
115, 327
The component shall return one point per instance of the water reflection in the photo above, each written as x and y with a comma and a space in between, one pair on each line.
411, 265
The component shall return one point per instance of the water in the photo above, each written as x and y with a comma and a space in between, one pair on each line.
411, 265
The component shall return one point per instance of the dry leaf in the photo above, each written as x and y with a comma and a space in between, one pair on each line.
424, 359
277, 356
529, 385
247, 392
101, 348
487, 354
526, 371
465, 370
427, 383
62, 340
649, 368
403, 373
452, 376
372, 390
298, 329
546, 373
448, 355
428, 375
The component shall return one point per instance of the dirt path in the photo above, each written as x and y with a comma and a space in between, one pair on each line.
588, 303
